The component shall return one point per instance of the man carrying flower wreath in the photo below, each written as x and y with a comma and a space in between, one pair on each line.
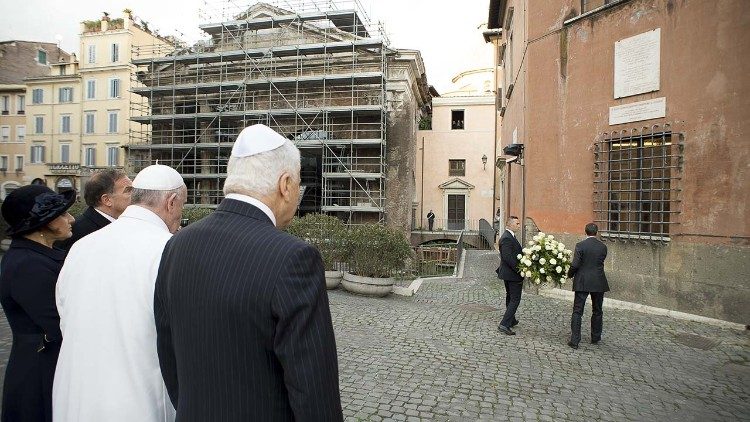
508, 271
588, 275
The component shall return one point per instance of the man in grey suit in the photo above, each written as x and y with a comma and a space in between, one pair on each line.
244, 330
587, 270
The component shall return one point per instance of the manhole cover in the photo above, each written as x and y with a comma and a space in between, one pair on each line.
476, 307
695, 341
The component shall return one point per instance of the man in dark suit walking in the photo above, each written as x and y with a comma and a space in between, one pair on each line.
508, 272
107, 194
244, 330
587, 270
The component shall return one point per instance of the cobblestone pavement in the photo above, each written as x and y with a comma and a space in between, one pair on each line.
438, 356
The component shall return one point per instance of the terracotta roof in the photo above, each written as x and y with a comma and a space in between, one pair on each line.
18, 60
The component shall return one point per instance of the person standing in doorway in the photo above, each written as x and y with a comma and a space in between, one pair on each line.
508, 272
430, 219
587, 270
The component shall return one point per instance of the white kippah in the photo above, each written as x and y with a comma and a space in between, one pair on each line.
256, 139
158, 177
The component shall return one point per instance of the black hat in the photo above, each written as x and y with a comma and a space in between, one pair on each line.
31, 207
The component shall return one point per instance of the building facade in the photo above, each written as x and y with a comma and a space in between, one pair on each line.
624, 125
454, 161
19, 60
79, 113
317, 72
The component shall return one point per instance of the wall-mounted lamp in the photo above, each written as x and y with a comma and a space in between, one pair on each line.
484, 161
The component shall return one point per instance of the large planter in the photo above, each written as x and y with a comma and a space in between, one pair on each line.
333, 279
368, 286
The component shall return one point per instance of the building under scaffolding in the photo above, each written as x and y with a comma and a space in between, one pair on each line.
317, 72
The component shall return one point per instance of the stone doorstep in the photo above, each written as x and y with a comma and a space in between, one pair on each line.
569, 295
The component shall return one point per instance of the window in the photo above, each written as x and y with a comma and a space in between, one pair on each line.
113, 152
457, 167
5, 104
91, 89
21, 133
92, 54
66, 95
112, 127
5, 133
63, 70
3, 163
90, 123
635, 178
19, 162
41, 56
589, 5
64, 153
21, 105
37, 154
115, 53
457, 119
37, 96
65, 124
114, 88
90, 160
39, 124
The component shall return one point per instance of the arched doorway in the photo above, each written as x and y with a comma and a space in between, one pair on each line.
7, 188
64, 184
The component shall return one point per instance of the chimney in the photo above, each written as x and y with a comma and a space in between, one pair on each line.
105, 25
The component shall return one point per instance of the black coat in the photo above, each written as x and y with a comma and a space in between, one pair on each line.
509, 250
244, 330
587, 268
86, 223
28, 274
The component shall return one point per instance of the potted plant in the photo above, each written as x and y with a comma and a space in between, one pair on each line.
375, 253
327, 234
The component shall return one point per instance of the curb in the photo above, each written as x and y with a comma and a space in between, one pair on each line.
417, 283
632, 306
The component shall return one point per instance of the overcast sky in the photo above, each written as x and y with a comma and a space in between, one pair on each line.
447, 36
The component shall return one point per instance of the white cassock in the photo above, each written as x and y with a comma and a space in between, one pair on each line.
108, 369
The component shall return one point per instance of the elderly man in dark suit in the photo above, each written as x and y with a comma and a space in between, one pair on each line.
244, 330
587, 270
508, 272
107, 194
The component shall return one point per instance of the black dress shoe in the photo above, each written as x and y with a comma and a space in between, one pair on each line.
572, 345
514, 323
505, 330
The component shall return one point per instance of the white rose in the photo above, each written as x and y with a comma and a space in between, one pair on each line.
542, 261
541, 234
558, 269
547, 247
528, 274
537, 248
531, 242
526, 251
550, 237
560, 246
562, 280
541, 270
549, 278
559, 255
553, 261
527, 262
537, 281
519, 256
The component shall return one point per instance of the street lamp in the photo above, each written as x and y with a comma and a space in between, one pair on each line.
484, 161
516, 150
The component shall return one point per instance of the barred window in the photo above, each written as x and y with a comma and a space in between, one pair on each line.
635, 183
457, 167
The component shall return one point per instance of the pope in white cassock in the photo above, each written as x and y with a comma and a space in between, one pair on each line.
108, 368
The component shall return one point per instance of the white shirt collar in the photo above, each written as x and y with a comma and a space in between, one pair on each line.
137, 212
255, 202
510, 231
105, 215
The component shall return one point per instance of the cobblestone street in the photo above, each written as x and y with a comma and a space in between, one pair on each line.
438, 356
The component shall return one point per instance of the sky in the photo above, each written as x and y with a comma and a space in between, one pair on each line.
449, 40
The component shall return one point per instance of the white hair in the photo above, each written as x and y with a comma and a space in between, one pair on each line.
154, 198
258, 175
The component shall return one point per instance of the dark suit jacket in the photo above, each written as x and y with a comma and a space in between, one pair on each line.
244, 330
587, 268
509, 250
86, 223
28, 275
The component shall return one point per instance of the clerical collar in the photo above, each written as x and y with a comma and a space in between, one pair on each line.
255, 202
105, 215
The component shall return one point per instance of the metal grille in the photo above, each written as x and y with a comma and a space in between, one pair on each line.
636, 175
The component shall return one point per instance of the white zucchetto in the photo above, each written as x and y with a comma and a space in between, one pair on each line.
158, 177
256, 139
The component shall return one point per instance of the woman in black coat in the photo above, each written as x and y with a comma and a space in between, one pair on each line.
28, 273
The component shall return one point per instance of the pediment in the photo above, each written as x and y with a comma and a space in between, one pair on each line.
456, 183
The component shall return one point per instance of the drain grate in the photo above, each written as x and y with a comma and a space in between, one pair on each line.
476, 307
696, 341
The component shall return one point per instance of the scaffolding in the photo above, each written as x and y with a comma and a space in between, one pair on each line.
314, 71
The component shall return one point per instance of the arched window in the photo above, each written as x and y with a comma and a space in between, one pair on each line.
7, 188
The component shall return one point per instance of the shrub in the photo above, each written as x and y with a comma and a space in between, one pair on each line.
376, 251
326, 233
195, 214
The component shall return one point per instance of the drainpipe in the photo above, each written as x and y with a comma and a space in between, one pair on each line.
421, 198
